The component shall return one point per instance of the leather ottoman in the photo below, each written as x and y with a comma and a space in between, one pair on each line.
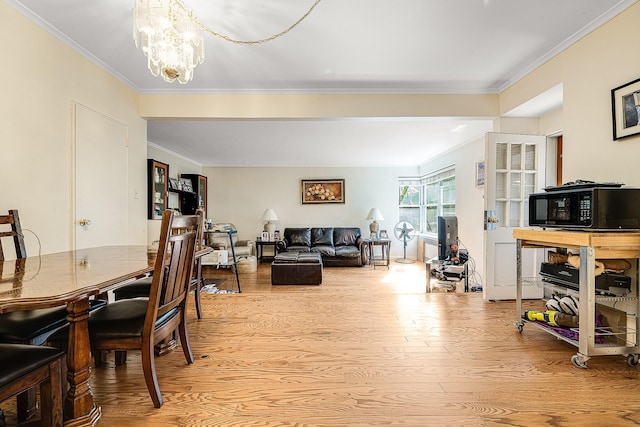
293, 268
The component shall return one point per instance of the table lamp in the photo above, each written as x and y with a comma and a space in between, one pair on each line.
376, 216
268, 216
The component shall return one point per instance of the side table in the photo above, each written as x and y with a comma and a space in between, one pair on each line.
385, 246
260, 244
233, 262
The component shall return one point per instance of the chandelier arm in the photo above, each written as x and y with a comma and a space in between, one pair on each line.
249, 42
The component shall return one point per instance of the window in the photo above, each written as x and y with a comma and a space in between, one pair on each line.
421, 200
410, 202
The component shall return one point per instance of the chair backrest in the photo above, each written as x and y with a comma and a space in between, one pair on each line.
13, 220
174, 266
200, 239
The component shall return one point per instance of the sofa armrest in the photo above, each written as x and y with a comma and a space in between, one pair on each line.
281, 245
364, 250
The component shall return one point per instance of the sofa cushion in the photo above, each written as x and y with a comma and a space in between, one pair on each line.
322, 236
347, 251
345, 236
298, 248
298, 236
324, 250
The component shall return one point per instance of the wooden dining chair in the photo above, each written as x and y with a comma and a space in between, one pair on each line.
24, 367
28, 326
138, 324
31, 327
13, 220
140, 288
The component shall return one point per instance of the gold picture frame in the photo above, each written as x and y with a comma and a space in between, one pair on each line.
317, 191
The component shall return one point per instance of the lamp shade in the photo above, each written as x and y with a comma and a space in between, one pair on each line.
269, 215
375, 215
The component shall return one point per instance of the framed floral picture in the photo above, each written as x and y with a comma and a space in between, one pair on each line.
315, 191
625, 105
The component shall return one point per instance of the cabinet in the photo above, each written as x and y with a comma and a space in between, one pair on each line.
592, 340
157, 174
189, 203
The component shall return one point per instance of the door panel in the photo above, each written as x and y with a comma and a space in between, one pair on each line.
101, 179
514, 169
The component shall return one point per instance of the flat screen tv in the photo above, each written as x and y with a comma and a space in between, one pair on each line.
447, 236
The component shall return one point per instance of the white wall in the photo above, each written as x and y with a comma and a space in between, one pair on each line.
240, 196
469, 198
40, 80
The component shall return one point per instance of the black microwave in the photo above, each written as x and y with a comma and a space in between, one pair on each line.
595, 208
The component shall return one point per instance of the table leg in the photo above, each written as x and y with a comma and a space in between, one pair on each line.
79, 407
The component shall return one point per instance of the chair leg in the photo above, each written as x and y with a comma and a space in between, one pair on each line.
184, 340
149, 370
199, 283
99, 358
196, 295
120, 357
51, 396
27, 404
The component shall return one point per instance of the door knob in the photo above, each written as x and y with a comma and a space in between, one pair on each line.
84, 222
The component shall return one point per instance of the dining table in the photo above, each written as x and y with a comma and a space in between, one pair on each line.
71, 278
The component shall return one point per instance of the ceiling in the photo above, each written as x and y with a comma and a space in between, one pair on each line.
343, 46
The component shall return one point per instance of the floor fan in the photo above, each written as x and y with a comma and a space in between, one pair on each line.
405, 232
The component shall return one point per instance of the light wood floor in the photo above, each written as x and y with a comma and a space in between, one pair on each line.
367, 348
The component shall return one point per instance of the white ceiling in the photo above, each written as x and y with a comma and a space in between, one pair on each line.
343, 46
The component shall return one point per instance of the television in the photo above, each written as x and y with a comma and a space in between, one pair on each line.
447, 236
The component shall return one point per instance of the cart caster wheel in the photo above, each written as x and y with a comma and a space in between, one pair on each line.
632, 360
519, 327
579, 361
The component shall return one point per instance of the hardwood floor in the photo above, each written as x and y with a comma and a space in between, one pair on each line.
367, 348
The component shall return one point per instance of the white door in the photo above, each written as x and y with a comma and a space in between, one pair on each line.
101, 179
514, 168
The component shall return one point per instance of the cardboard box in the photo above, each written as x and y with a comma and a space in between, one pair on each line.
614, 325
217, 257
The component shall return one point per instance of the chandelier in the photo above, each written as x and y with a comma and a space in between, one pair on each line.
171, 37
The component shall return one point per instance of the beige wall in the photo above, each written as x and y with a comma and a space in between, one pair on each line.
240, 196
324, 106
40, 79
588, 70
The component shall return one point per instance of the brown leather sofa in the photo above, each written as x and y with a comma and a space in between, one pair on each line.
338, 246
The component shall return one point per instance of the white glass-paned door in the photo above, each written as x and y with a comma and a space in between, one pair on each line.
512, 171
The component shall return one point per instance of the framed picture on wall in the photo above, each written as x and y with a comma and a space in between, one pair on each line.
173, 184
186, 185
316, 191
480, 174
625, 105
